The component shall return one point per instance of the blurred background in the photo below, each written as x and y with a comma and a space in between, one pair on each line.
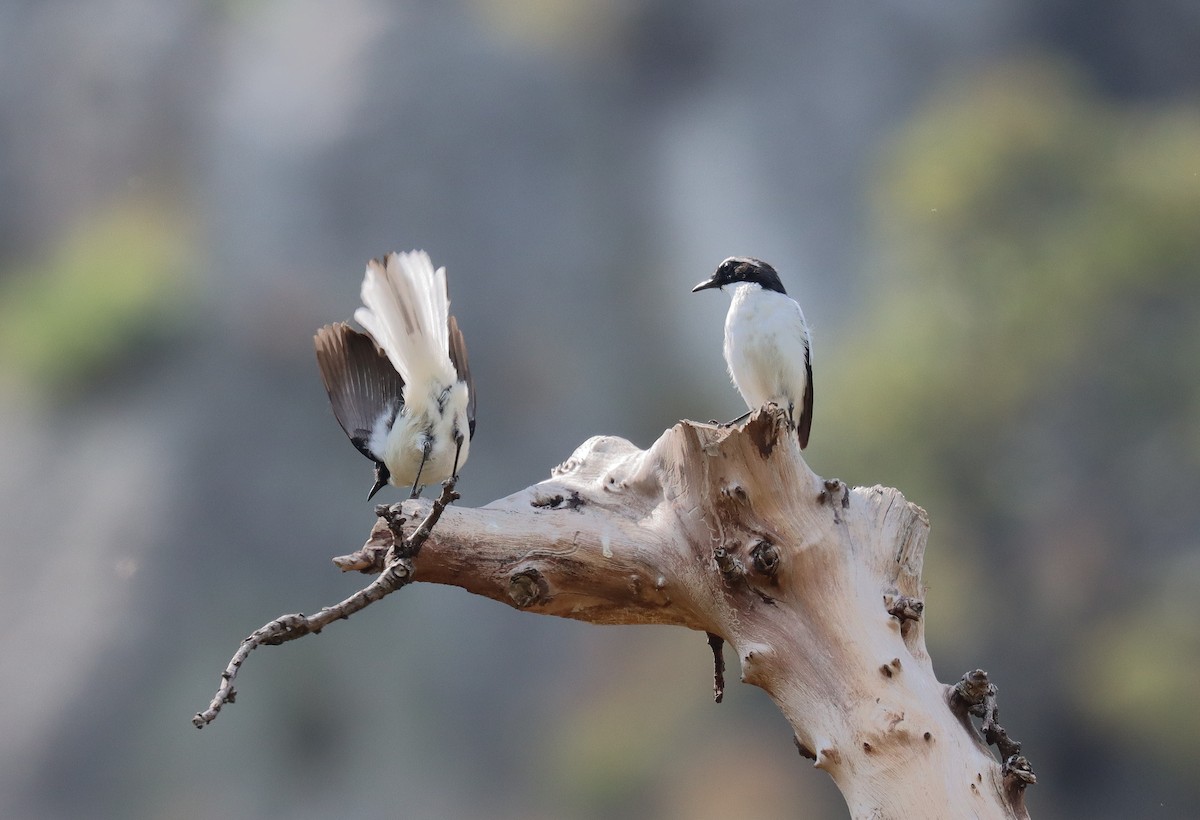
990, 212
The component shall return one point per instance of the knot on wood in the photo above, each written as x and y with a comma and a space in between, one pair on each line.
558, 501
527, 587
736, 492
728, 565
904, 607
974, 690
836, 491
765, 558
1017, 773
889, 670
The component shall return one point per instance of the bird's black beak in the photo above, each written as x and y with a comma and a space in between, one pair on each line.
706, 284
382, 474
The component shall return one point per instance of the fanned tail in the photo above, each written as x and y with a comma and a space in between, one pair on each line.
405, 309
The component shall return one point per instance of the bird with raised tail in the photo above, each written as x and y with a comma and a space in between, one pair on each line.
402, 391
767, 344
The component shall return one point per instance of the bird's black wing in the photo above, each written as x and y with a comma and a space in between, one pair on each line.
805, 424
458, 355
361, 382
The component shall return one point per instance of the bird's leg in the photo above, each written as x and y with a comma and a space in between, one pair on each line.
458, 443
424, 457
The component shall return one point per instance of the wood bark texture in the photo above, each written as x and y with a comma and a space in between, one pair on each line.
815, 586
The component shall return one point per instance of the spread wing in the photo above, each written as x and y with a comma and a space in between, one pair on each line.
364, 388
458, 355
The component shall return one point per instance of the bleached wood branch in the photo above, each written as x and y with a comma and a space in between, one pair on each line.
816, 587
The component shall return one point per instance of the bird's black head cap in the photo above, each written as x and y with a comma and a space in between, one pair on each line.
737, 269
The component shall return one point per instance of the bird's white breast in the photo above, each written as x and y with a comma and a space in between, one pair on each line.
766, 345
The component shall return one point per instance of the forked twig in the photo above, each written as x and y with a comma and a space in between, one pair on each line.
397, 572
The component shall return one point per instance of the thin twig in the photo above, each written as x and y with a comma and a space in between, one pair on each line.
397, 572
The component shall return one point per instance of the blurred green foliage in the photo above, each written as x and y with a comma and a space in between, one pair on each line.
1028, 372
1142, 665
109, 290
1023, 229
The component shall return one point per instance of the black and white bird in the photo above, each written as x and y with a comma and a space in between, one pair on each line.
402, 391
767, 345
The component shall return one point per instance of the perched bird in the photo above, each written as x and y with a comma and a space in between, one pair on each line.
402, 391
767, 345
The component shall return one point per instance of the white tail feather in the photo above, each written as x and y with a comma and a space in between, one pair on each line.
406, 309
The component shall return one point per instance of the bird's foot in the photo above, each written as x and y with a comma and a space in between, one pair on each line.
789, 412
